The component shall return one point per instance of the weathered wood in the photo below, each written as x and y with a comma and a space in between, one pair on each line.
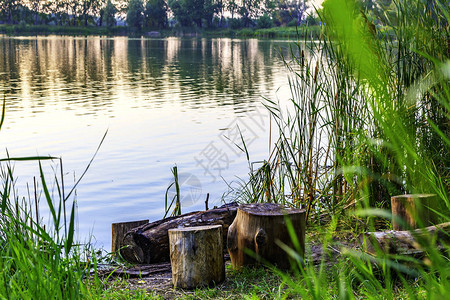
118, 231
196, 256
260, 228
406, 242
413, 210
137, 271
150, 243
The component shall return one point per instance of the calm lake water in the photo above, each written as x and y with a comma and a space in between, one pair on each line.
164, 102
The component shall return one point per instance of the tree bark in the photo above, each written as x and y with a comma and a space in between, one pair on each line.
118, 231
149, 243
196, 256
262, 228
413, 210
406, 242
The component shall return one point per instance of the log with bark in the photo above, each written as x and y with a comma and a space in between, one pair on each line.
118, 231
406, 242
260, 229
196, 256
149, 243
414, 210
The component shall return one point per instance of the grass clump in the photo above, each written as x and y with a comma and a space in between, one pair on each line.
39, 261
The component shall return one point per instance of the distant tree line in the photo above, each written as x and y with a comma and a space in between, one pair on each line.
139, 14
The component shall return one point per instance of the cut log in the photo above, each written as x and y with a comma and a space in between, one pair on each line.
150, 243
261, 228
196, 256
406, 242
118, 231
413, 210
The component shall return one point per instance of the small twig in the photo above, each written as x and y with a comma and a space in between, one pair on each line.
206, 201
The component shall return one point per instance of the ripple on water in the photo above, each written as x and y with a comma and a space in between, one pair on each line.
163, 102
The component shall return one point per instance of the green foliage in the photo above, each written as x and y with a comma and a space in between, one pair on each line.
63, 30
180, 10
249, 10
311, 20
265, 21
150, 13
235, 23
377, 100
290, 12
156, 13
87, 9
109, 15
189, 12
39, 262
135, 14
381, 103
176, 198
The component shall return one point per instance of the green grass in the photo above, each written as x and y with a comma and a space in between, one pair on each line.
312, 32
35, 262
39, 261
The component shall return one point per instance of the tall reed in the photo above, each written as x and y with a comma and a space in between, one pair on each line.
387, 106
368, 114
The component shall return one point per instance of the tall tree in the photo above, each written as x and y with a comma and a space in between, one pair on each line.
181, 12
90, 9
156, 13
188, 12
249, 10
60, 10
232, 7
135, 14
196, 10
288, 10
36, 7
109, 14
8, 8
210, 8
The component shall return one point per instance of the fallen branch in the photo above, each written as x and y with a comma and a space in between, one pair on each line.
406, 242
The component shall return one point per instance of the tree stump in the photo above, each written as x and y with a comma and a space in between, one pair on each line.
196, 256
118, 231
261, 228
414, 210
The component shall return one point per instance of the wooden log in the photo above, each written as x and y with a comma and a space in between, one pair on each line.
406, 242
150, 243
118, 231
260, 228
414, 210
196, 256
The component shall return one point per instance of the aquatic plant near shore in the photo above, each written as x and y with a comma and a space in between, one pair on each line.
368, 117
39, 262
403, 87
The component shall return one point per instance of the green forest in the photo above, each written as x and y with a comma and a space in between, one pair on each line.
160, 14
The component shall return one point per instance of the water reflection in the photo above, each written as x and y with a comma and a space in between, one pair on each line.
89, 72
163, 100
